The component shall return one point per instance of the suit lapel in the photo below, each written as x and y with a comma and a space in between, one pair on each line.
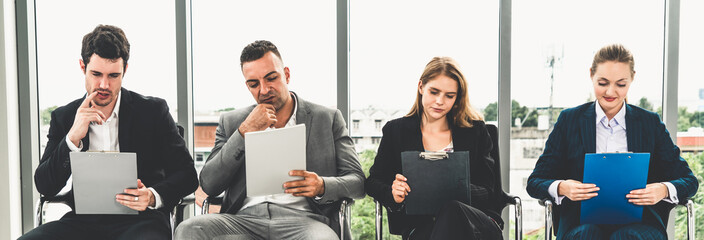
461, 140
588, 129
412, 137
125, 120
633, 133
303, 116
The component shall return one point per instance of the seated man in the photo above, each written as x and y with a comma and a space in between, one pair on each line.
300, 212
115, 119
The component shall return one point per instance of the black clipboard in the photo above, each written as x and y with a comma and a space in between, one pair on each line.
435, 178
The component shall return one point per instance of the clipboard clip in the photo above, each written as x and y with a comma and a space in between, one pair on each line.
432, 156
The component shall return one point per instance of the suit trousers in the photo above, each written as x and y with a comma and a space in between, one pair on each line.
261, 221
635, 231
457, 220
150, 224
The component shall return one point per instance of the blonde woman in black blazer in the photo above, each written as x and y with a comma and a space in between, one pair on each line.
441, 120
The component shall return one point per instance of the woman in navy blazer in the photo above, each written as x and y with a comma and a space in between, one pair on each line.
441, 120
610, 125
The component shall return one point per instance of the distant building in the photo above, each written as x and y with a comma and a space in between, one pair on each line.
366, 124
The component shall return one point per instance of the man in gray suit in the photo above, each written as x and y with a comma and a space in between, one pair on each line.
300, 212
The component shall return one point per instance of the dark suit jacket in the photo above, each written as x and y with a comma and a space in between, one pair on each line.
574, 135
403, 134
330, 153
145, 128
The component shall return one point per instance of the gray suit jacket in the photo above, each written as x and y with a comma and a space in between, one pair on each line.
330, 153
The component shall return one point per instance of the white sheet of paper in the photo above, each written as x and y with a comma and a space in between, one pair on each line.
270, 155
98, 177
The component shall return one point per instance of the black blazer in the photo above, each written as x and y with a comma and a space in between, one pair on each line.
146, 128
574, 135
403, 134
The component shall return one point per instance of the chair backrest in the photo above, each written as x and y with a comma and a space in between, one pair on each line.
502, 199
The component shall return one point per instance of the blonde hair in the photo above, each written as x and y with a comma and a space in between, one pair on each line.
462, 113
613, 52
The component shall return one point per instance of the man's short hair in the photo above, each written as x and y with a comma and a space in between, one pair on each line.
108, 42
256, 50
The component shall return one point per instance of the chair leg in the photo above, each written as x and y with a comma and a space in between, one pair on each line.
548, 220
341, 217
39, 214
205, 207
519, 219
378, 219
690, 220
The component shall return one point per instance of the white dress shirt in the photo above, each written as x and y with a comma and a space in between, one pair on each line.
611, 137
283, 199
105, 138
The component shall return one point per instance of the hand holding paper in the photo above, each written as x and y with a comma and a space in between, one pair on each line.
310, 186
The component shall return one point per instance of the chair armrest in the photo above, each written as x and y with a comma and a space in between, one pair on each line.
689, 204
548, 204
344, 215
378, 219
179, 208
210, 200
518, 215
187, 200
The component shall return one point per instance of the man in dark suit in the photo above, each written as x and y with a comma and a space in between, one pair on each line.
111, 118
300, 212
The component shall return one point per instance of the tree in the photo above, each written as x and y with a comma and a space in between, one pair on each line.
645, 104
45, 115
696, 163
363, 212
683, 119
491, 112
517, 111
225, 109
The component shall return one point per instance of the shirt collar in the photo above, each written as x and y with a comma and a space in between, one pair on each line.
620, 117
116, 110
292, 120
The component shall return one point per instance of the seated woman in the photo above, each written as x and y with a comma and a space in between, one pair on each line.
441, 120
610, 125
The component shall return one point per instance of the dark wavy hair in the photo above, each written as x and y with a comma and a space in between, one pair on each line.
256, 50
108, 42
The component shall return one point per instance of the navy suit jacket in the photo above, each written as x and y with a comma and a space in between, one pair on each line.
146, 128
574, 135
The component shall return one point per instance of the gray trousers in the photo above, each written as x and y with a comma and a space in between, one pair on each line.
262, 221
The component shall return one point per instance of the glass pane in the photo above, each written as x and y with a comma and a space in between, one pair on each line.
149, 27
303, 31
553, 45
390, 44
690, 120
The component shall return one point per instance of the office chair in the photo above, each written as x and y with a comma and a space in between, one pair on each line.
552, 217
176, 213
502, 198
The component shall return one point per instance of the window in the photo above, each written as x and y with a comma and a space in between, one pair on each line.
355, 125
222, 29
390, 44
152, 65
303, 31
690, 121
553, 44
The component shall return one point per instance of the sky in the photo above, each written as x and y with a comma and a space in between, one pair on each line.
390, 43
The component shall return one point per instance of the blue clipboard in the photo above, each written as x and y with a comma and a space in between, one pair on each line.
616, 174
